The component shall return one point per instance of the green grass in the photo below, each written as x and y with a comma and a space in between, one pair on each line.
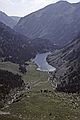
43, 106
33, 75
37, 105
38, 80
11, 67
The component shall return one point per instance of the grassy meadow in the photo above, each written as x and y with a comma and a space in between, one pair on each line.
38, 104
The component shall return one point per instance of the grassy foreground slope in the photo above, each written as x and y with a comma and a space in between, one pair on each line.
41, 105
38, 80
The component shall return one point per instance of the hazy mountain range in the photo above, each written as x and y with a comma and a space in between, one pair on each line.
59, 23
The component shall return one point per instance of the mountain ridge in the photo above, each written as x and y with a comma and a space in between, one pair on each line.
53, 22
7, 20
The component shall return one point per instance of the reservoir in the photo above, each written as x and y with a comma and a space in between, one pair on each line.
42, 64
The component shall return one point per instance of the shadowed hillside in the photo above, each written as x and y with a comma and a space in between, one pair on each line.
67, 63
9, 82
13, 46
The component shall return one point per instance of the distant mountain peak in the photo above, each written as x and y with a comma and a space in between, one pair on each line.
63, 2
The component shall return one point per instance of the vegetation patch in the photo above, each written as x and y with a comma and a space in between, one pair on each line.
40, 102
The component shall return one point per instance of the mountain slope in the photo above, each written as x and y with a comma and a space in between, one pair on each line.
13, 46
7, 20
9, 83
59, 23
67, 63
15, 18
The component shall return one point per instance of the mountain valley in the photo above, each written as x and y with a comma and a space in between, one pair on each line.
40, 63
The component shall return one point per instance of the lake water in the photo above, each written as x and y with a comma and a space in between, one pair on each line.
42, 64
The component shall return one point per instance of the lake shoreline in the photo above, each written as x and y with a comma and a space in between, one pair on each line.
42, 64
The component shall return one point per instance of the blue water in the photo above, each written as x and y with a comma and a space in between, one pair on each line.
42, 64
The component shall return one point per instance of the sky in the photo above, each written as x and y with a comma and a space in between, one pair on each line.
25, 7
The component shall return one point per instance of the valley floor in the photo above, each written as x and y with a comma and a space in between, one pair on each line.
40, 101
